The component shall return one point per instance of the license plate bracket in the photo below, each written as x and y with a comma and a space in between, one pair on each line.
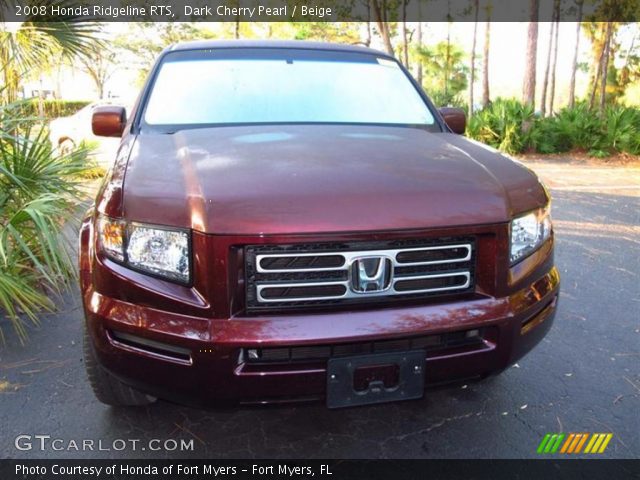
341, 391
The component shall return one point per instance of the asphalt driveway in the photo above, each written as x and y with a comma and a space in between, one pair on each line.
584, 377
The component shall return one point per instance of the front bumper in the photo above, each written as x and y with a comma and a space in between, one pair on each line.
214, 369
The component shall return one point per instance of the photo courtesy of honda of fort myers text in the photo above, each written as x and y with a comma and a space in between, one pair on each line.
363, 239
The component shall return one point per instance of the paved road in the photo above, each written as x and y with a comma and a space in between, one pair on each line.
584, 377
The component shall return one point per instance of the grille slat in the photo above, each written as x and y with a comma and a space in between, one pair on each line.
320, 275
324, 352
433, 283
434, 255
299, 263
301, 291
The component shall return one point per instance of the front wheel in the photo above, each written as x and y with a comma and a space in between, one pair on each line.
66, 146
108, 389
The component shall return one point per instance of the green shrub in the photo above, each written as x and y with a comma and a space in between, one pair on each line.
505, 125
583, 125
52, 108
547, 136
513, 128
622, 129
39, 195
439, 99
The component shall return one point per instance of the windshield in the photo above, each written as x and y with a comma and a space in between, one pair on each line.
240, 86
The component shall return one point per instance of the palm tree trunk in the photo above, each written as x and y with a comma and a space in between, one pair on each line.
405, 43
419, 39
368, 39
41, 98
383, 27
10, 76
596, 79
605, 68
472, 67
529, 83
554, 61
447, 63
574, 63
486, 98
545, 83
628, 56
6, 81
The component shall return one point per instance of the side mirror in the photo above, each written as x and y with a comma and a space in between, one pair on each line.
455, 119
108, 121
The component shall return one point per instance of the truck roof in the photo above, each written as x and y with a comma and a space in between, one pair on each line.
284, 44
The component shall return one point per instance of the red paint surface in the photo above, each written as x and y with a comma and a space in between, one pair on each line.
238, 186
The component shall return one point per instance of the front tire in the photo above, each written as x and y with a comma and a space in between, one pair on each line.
108, 389
66, 146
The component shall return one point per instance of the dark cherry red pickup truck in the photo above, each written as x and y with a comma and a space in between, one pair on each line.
292, 221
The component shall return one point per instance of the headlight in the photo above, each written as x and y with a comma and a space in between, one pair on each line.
152, 249
528, 233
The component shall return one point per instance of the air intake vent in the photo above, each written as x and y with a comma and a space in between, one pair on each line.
312, 275
430, 343
145, 345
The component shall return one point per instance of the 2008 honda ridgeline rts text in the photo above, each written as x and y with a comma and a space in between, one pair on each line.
295, 221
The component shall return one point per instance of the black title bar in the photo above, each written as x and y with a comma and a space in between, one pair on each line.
317, 469
312, 11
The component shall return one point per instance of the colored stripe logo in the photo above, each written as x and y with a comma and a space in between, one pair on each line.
573, 443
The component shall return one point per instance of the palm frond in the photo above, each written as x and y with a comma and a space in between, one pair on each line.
39, 195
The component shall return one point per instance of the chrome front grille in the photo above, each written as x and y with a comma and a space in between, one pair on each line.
330, 274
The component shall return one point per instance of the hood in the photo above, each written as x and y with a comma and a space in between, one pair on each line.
319, 179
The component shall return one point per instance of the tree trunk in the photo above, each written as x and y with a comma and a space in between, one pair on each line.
605, 68
419, 62
58, 73
405, 43
447, 63
41, 99
574, 64
529, 83
594, 86
10, 76
383, 27
472, 66
545, 83
629, 52
486, 98
368, 40
554, 61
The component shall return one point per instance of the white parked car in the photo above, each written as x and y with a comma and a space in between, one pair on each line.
65, 133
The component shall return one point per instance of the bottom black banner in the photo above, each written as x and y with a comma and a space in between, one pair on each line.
317, 469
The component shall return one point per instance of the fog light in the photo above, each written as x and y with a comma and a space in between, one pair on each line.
472, 333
